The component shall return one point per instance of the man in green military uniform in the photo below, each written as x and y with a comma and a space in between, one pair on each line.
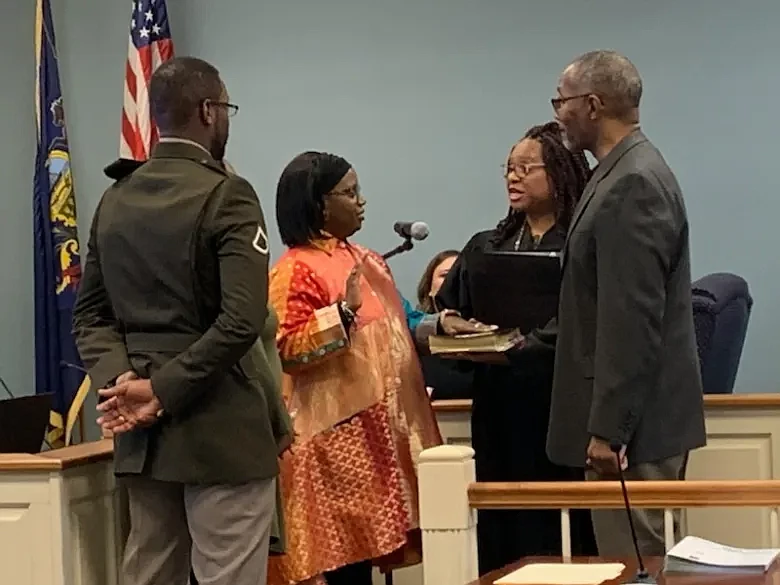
172, 303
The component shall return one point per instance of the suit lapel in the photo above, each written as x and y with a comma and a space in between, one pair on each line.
601, 171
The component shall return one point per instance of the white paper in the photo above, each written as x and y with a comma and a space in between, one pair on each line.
563, 574
698, 550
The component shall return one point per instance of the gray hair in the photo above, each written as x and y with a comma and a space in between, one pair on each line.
611, 76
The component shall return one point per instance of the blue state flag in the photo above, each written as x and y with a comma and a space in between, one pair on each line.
58, 368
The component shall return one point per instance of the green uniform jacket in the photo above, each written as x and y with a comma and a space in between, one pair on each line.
175, 288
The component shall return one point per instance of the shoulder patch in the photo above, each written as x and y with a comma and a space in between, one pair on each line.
260, 243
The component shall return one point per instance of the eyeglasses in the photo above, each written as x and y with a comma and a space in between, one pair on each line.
232, 109
557, 102
521, 169
353, 193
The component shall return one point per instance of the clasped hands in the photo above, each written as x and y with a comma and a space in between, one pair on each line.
129, 404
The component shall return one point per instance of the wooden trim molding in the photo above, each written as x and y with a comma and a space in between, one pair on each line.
711, 402
451, 406
769, 400
608, 494
57, 459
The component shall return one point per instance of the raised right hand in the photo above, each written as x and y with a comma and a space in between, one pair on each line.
352, 296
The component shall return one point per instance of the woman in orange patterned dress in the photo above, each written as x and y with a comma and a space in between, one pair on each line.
353, 386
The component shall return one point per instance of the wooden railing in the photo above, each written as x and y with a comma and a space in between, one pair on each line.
660, 495
608, 494
449, 497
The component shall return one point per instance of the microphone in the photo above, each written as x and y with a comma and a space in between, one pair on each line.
78, 368
642, 576
64, 364
408, 230
414, 230
6, 388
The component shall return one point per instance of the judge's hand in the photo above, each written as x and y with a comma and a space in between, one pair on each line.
129, 404
453, 324
603, 460
352, 296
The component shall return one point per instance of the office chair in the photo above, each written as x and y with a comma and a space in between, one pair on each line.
721, 312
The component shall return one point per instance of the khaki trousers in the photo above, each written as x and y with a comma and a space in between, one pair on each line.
613, 533
221, 531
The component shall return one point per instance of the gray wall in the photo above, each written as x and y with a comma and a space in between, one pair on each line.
424, 98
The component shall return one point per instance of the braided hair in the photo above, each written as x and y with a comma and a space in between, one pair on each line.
567, 172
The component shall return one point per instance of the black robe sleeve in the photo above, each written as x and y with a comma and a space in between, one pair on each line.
455, 290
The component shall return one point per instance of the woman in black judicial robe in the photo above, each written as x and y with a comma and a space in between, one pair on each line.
511, 403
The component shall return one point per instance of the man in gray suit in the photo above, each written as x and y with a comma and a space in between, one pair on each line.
626, 369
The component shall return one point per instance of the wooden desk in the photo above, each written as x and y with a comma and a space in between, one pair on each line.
654, 566
58, 518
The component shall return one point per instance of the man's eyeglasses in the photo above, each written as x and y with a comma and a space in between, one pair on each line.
557, 102
521, 169
232, 109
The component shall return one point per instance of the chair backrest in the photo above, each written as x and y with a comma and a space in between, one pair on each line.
721, 311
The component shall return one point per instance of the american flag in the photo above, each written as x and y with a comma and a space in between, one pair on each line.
150, 45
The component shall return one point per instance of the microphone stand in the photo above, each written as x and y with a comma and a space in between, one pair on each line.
405, 246
642, 575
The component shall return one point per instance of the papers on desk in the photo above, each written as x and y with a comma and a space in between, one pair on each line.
563, 574
696, 555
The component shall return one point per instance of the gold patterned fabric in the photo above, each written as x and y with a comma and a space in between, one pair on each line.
360, 413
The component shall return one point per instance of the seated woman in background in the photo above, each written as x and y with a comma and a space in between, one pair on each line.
432, 278
354, 387
424, 320
448, 379
511, 407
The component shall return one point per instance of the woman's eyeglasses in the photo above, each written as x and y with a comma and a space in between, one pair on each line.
521, 169
353, 193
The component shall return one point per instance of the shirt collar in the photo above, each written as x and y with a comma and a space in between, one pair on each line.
176, 139
328, 243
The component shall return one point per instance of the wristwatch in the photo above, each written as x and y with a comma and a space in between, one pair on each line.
348, 313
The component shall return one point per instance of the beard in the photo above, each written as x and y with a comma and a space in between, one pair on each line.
566, 138
218, 146
570, 145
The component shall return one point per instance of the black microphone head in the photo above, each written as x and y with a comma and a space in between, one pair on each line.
401, 228
615, 446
